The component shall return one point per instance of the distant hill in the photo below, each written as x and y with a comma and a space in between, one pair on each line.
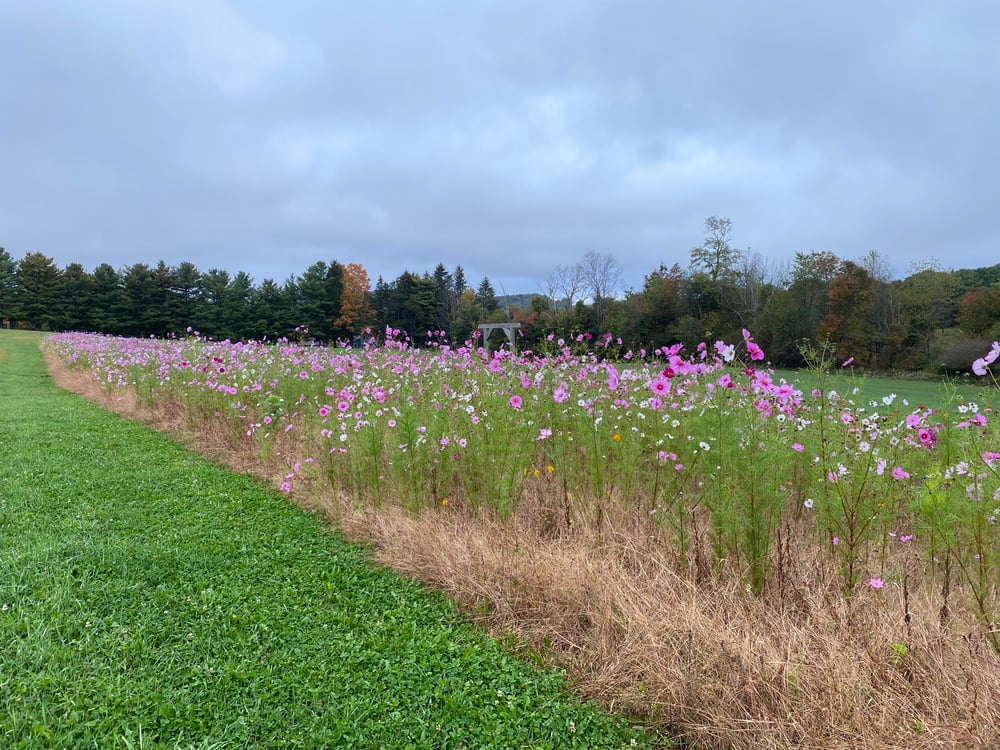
523, 301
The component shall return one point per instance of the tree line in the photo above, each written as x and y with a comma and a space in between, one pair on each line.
932, 319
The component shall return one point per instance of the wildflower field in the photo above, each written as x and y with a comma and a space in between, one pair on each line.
151, 599
700, 542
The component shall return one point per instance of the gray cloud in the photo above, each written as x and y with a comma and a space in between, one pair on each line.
504, 136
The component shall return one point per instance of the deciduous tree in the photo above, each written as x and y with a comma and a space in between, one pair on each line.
355, 301
602, 276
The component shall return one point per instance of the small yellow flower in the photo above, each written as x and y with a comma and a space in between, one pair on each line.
550, 468
536, 472
616, 437
444, 501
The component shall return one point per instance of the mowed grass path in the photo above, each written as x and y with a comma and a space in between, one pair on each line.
151, 599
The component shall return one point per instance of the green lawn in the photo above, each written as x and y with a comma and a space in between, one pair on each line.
151, 599
937, 394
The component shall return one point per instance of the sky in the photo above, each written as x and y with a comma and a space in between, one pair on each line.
506, 136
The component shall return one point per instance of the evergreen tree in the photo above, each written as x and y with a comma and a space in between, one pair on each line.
163, 317
238, 312
382, 304
140, 299
107, 300
212, 310
265, 301
8, 289
486, 297
184, 295
79, 286
445, 298
459, 283
320, 290
41, 292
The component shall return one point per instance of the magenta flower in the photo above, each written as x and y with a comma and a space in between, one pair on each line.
516, 401
898, 473
847, 362
660, 386
797, 447
876, 583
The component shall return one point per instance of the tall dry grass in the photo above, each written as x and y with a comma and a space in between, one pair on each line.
689, 652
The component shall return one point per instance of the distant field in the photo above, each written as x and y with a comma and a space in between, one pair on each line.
936, 394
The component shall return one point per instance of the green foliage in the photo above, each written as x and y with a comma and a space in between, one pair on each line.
8, 287
886, 325
41, 292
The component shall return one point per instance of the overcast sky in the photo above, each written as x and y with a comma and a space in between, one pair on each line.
507, 136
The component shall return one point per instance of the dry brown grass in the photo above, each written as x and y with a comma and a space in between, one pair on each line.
697, 656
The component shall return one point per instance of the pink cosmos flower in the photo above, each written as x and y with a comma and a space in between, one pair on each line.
797, 447
516, 401
847, 362
876, 583
660, 386
981, 365
899, 473
612, 378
